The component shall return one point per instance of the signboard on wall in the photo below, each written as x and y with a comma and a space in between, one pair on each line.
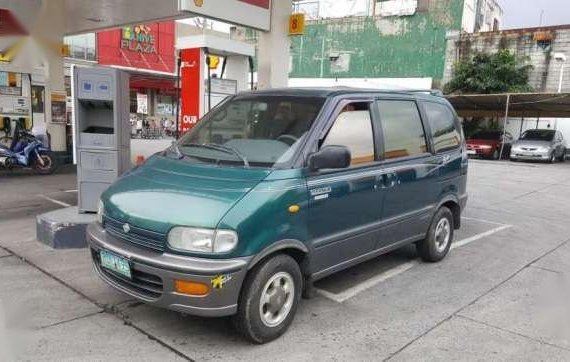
250, 13
143, 46
192, 78
58, 107
142, 103
10, 84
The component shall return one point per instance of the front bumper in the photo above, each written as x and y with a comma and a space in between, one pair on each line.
154, 275
530, 156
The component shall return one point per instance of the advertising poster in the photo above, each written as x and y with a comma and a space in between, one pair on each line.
58, 107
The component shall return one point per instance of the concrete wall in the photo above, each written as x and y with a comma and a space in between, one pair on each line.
529, 44
374, 47
377, 47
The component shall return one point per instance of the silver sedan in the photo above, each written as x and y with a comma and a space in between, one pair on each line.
539, 145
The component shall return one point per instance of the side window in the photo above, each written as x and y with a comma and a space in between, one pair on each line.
402, 127
353, 129
442, 123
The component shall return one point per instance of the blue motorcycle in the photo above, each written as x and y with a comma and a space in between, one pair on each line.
27, 151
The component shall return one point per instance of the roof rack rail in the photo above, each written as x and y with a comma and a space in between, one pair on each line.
433, 92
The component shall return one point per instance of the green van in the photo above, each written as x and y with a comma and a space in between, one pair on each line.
275, 189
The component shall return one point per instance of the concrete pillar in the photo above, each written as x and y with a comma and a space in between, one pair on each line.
274, 48
237, 68
40, 57
48, 34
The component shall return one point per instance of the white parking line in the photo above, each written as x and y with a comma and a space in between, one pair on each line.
60, 203
466, 241
359, 288
402, 268
70, 191
483, 221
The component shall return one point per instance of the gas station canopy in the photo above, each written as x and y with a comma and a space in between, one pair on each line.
83, 16
555, 105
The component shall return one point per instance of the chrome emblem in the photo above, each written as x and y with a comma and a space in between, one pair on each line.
126, 228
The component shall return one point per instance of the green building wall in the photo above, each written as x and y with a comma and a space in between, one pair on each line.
379, 47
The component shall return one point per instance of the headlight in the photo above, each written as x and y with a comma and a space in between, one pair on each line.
202, 240
100, 210
544, 149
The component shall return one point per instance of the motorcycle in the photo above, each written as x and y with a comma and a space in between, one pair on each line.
27, 151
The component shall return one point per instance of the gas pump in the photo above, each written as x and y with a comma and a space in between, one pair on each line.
211, 69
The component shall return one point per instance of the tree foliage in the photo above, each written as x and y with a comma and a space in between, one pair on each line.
485, 73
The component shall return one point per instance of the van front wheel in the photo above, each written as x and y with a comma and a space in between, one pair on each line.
439, 237
269, 299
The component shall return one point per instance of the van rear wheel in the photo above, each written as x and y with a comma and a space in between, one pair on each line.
269, 299
439, 237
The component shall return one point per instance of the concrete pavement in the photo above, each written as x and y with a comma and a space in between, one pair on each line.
501, 295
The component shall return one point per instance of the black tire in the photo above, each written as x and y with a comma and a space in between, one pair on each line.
6, 141
562, 157
552, 157
432, 249
249, 321
495, 155
49, 166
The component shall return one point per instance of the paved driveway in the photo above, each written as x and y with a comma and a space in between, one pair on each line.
500, 295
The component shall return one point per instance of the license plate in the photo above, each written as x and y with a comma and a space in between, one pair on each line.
115, 263
471, 152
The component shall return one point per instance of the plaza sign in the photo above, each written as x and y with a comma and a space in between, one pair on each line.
250, 13
138, 38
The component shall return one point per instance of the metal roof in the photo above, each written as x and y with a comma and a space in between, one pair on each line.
520, 105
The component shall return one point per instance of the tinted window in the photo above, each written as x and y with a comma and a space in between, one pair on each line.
486, 136
538, 135
353, 129
402, 127
443, 131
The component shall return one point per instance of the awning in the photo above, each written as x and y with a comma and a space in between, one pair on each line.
163, 83
531, 105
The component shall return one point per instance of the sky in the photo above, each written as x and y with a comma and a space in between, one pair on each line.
526, 13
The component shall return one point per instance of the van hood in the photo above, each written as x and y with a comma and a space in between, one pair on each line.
532, 143
164, 193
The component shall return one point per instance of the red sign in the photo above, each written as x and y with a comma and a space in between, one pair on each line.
142, 46
9, 25
261, 3
191, 83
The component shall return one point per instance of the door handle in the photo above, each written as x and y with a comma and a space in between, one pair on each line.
387, 180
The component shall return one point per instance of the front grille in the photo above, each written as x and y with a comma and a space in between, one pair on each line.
147, 285
138, 236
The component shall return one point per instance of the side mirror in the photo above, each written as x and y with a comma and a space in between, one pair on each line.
330, 157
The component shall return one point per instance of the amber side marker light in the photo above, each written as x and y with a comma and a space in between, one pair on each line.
191, 288
293, 209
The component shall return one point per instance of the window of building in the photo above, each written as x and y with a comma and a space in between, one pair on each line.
38, 99
402, 127
445, 134
353, 129
82, 46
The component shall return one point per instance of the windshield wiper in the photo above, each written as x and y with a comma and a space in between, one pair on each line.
177, 153
222, 148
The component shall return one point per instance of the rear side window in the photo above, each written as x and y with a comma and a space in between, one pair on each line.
402, 127
443, 130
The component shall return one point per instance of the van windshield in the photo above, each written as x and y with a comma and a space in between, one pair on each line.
256, 131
